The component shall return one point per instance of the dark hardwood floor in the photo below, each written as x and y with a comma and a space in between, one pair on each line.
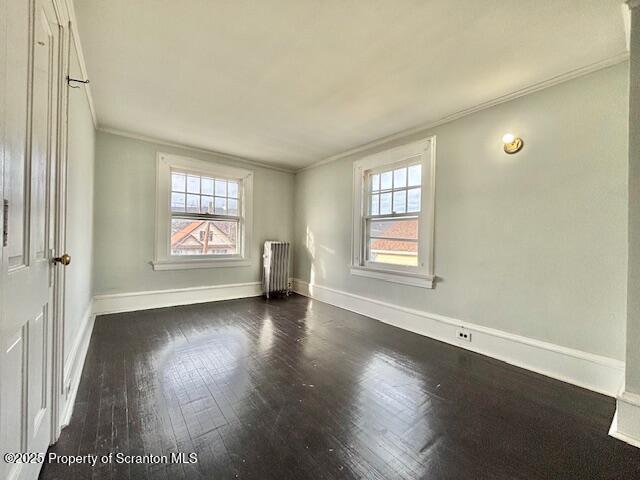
295, 389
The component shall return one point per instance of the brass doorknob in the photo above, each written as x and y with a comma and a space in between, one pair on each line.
63, 260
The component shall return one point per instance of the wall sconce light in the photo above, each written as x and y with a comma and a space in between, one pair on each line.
512, 144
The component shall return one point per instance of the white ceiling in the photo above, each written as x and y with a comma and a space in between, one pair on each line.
291, 82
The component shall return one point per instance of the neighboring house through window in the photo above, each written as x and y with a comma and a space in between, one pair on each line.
394, 214
203, 214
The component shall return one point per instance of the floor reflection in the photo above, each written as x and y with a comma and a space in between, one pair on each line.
296, 389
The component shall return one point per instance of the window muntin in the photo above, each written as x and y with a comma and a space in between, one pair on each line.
392, 219
202, 194
205, 214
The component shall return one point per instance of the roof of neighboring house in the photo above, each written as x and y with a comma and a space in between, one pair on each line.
398, 229
181, 234
188, 232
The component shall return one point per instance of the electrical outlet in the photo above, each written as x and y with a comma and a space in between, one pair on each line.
463, 335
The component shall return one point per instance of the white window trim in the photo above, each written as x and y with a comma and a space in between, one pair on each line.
422, 275
163, 260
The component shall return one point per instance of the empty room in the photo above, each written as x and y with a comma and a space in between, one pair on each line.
302, 239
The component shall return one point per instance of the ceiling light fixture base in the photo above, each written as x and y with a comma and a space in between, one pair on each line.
513, 147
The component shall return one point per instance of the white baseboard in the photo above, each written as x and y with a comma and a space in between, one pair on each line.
600, 374
626, 422
74, 364
129, 302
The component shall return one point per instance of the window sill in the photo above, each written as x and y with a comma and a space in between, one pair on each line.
404, 278
191, 264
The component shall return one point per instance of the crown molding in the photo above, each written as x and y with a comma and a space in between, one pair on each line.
564, 77
83, 66
183, 146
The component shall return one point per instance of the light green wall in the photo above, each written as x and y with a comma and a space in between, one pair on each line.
125, 216
79, 224
534, 244
633, 318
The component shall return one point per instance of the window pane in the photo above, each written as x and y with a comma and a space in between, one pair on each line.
221, 204
189, 237
385, 203
233, 189
207, 186
415, 175
413, 200
221, 188
178, 182
385, 180
233, 206
193, 203
398, 229
375, 200
400, 178
400, 201
177, 202
395, 252
375, 182
193, 184
206, 204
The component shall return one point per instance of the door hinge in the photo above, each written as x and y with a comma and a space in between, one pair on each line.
5, 222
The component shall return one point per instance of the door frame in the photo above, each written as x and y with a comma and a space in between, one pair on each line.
59, 213
3, 119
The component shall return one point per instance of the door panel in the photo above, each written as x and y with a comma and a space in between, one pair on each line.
17, 31
26, 374
42, 125
37, 363
11, 400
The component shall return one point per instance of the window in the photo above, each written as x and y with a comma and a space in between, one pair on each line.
393, 198
393, 214
210, 236
203, 214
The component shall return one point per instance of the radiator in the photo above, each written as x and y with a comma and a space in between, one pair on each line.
275, 271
